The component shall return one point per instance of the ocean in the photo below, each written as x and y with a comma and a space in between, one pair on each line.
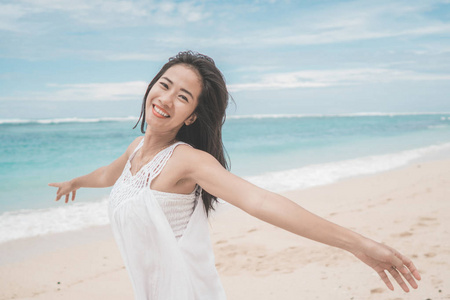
276, 152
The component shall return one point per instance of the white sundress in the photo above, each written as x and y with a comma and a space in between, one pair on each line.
160, 266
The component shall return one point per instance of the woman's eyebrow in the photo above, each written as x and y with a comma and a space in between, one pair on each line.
170, 81
182, 89
187, 92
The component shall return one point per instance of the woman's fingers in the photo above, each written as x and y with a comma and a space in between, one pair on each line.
396, 274
58, 194
408, 271
64, 189
55, 184
407, 268
386, 280
403, 267
407, 275
410, 268
399, 274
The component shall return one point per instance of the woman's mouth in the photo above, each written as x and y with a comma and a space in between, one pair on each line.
159, 112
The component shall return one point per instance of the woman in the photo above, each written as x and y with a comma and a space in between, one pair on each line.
167, 181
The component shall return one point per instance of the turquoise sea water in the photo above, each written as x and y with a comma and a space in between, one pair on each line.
276, 152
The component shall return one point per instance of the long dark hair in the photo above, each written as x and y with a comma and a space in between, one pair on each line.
206, 132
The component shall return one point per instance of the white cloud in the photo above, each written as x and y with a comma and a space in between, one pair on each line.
326, 78
354, 21
166, 25
9, 16
349, 34
192, 12
135, 56
94, 91
39, 15
343, 22
288, 80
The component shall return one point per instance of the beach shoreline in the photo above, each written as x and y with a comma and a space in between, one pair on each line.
404, 207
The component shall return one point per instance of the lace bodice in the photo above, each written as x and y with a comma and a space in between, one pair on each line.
178, 208
129, 185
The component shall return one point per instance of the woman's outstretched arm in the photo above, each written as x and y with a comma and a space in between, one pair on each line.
102, 177
284, 213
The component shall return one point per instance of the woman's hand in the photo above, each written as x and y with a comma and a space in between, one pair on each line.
64, 189
383, 258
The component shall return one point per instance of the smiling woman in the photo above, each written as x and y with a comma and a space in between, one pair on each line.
167, 182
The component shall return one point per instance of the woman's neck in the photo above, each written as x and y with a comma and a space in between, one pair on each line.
153, 142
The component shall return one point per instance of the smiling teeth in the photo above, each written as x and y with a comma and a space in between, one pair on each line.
160, 112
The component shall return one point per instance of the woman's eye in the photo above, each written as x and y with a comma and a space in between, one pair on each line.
164, 85
184, 98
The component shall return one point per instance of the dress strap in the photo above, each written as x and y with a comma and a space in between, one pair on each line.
157, 164
136, 149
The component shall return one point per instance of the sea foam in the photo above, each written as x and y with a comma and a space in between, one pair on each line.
321, 174
63, 217
256, 116
343, 115
66, 120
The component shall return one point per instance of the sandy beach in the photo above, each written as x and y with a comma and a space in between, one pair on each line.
406, 208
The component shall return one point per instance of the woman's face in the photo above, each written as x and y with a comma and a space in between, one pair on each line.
172, 100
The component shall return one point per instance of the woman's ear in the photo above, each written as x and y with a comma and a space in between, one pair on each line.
191, 119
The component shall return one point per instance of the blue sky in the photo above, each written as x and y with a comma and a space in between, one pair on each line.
61, 58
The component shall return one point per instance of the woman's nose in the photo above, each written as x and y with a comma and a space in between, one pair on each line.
166, 99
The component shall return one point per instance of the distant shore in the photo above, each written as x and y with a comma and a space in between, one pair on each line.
407, 208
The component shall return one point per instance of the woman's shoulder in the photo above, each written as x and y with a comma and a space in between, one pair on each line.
190, 157
133, 145
185, 150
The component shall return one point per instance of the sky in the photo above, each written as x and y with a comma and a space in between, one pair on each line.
94, 58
